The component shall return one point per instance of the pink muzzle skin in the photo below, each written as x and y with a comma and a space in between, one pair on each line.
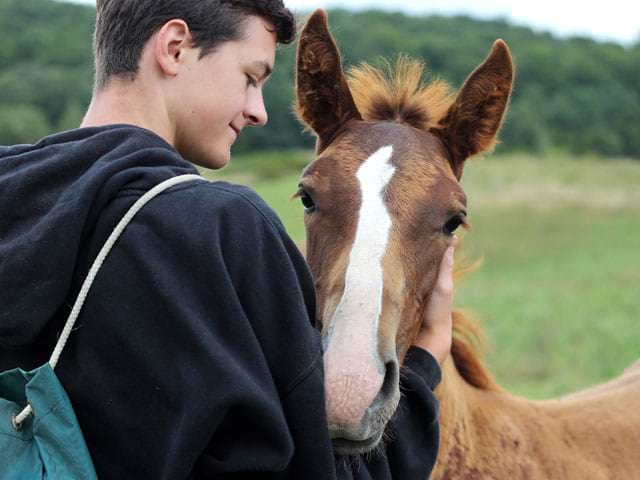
352, 382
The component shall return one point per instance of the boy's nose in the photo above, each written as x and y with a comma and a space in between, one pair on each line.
256, 112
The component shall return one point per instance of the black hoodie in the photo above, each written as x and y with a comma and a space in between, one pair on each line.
195, 354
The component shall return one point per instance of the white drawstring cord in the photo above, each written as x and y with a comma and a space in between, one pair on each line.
75, 312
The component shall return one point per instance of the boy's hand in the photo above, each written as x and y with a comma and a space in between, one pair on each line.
435, 333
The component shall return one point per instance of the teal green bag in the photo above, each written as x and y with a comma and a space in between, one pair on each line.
49, 443
39, 434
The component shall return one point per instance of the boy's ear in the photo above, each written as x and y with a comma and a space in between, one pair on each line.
472, 122
323, 99
170, 41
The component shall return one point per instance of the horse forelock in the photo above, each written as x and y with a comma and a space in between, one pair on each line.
396, 92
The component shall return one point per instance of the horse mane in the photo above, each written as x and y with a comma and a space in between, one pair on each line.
396, 92
467, 348
468, 342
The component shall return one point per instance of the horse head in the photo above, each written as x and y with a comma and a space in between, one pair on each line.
382, 202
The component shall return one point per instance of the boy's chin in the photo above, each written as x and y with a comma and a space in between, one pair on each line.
213, 160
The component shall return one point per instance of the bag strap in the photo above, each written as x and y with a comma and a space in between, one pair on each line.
77, 306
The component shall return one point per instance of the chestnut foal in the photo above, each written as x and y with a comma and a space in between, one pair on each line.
382, 201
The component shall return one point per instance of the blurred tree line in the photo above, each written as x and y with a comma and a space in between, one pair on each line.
575, 95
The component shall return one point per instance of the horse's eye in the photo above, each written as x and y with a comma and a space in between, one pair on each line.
452, 225
307, 202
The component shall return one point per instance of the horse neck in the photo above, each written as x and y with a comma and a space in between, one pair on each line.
495, 432
455, 409
473, 422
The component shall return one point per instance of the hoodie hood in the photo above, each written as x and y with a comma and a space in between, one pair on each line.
51, 195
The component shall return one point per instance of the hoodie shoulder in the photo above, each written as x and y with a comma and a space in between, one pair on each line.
52, 195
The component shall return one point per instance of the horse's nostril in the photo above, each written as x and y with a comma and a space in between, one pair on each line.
389, 384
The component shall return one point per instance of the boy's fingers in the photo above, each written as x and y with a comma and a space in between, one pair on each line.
448, 256
435, 336
445, 274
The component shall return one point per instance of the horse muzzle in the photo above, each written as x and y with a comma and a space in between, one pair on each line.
360, 401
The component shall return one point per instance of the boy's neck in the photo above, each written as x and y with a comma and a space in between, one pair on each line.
127, 102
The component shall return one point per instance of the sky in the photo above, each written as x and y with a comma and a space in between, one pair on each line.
612, 20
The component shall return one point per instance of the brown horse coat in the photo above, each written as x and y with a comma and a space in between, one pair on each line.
388, 140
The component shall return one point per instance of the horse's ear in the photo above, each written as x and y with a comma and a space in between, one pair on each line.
473, 120
324, 101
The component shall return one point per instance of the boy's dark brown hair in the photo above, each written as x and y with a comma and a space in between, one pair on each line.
124, 26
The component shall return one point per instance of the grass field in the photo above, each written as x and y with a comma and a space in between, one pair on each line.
558, 294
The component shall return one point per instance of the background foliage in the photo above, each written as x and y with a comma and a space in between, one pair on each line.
574, 95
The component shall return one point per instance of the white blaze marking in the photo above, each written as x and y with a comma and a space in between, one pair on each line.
351, 360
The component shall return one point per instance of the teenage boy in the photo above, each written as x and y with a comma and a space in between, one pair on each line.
195, 355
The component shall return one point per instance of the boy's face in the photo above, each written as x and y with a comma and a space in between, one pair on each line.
216, 97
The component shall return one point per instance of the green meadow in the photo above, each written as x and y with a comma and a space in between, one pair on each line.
558, 291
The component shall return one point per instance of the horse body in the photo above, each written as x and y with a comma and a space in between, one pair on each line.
382, 201
492, 434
